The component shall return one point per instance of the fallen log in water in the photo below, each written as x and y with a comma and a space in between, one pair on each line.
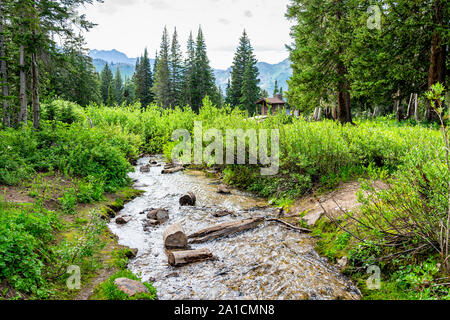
174, 237
172, 170
224, 229
180, 258
188, 199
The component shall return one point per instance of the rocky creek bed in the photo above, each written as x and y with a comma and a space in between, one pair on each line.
268, 262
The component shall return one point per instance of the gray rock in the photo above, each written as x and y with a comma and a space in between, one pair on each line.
223, 189
312, 217
123, 219
130, 287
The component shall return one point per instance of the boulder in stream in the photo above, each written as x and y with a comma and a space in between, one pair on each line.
222, 213
223, 189
188, 199
145, 169
123, 219
159, 215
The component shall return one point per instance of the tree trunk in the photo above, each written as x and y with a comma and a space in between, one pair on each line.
180, 258
4, 73
344, 113
174, 237
438, 55
35, 85
23, 116
416, 107
409, 112
224, 229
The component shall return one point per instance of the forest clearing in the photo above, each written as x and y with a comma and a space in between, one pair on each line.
137, 189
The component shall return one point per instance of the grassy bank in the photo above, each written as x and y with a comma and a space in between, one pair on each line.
399, 229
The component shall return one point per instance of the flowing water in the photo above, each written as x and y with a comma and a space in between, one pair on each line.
270, 262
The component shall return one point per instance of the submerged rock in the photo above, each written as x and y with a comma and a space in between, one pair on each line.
159, 215
223, 189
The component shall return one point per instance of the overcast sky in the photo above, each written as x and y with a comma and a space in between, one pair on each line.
131, 25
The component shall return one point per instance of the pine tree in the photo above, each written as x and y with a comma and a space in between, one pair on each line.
276, 90
228, 93
129, 91
176, 72
161, 85
188, 72
250, 90
243, 59
203, 77
106, 86
118, 87
143, 80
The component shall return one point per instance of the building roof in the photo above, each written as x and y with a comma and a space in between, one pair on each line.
274, 100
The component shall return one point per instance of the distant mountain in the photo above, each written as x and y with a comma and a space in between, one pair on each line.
268, 73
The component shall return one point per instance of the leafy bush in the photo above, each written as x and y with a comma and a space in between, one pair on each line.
25, 237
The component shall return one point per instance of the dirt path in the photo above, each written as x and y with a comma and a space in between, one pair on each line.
345, 197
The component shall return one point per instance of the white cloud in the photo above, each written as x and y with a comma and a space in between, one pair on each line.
131, 25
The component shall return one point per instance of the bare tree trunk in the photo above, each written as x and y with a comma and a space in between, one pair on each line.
4, 73
23, 116
344, 113
438, 54
35, 85
416, 107
409, 112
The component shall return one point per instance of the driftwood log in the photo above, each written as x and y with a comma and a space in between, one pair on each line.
188, 199
172, 170
224, 229
174, 237
180, 258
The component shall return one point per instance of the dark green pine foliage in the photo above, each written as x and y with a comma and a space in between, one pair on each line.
143, 80
276, 90
250, 90
176, 72
107, 84
323, 36
161, 85
118, 87
129, 91
244, 65
203, 77
228, 93
188, 72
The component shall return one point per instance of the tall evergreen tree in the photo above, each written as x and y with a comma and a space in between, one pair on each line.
143, 80
188, 72
118, 87
244, 70
203, 77
275, 90
322, 39
250, 90
176, 71
106, 86
161, 85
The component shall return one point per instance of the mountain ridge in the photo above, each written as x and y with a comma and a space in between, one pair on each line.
268, 72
